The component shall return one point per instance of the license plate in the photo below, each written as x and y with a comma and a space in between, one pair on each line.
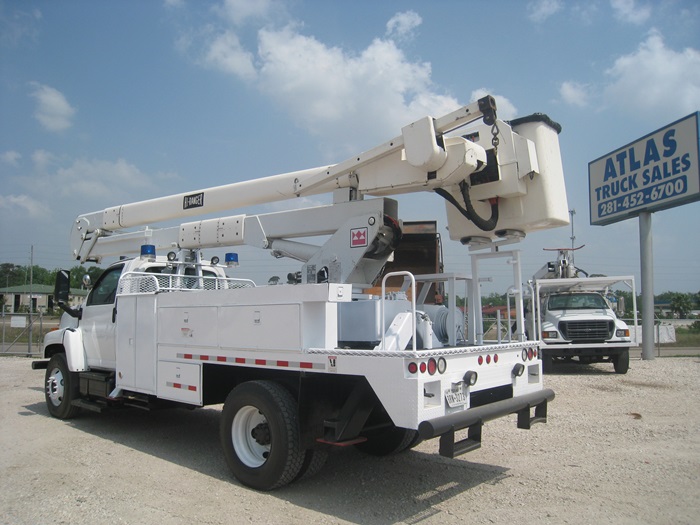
456, 399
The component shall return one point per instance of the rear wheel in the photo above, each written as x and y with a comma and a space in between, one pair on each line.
260, 435
61, 387
314, 459
621, 362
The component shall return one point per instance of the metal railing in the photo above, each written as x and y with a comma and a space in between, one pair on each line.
150, 283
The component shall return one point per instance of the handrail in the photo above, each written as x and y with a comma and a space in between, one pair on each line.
413, 303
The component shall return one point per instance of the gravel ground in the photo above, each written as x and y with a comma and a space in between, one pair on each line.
616, 449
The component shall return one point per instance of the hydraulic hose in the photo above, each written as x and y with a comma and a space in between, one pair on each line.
468, 209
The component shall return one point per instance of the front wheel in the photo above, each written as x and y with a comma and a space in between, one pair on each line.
61, 387
621, 362
260, 435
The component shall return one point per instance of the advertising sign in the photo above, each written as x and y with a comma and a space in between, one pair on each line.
656, 172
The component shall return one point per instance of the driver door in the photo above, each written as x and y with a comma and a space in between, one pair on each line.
98, 322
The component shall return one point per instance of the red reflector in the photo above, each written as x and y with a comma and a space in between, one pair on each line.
495, 358
422, 368
432, 366
535, 352
488, 359
481, 359
529, 354
412, 368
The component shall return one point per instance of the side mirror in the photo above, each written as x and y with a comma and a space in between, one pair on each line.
61, 292
86, 280
62, 287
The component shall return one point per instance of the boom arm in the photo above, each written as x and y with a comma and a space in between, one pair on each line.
422, 158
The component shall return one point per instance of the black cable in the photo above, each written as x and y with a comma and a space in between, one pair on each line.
469, 212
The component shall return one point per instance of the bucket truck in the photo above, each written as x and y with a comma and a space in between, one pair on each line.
571, 314
326, 361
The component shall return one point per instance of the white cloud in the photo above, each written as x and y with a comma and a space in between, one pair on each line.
348, 99
574, 93
53, 111
227, 54
656, 80
21, 204
630, 12
401, 25
11, 157
116, 182
49, 196
174, 4
335, 94
18, 25
585, 12
241, 11
89, 180
42, 159
541, 10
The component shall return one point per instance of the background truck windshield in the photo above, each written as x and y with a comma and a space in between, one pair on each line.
578, 301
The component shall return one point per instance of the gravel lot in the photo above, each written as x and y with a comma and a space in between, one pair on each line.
616, 449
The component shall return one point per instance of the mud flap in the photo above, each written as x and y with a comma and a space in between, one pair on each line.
75, 353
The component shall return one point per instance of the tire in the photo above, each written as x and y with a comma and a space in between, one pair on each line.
260, 435
621, 362
314, 460
61, 387
389, 442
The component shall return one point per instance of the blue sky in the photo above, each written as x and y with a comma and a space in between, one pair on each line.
103, 103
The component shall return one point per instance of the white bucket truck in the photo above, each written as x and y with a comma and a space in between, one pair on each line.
322, 362
572, 316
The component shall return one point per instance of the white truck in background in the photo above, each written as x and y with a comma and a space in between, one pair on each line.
572, 316
326, 361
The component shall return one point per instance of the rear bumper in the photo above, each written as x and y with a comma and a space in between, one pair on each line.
474, 418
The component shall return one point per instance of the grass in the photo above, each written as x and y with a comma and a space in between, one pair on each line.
685, 338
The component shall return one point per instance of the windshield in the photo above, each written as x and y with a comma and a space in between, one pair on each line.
578, 301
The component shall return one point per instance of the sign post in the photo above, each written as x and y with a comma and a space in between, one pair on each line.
658, 171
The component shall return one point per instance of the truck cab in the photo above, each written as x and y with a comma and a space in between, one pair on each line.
581, 324
95, 320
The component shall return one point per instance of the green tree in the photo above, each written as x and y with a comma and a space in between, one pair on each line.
681, 304
629, 303
78, 271
494, 299
12, 275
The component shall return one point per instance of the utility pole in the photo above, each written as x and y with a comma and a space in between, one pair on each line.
31, 297
573, 237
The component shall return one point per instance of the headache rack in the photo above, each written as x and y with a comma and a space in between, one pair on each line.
150, 283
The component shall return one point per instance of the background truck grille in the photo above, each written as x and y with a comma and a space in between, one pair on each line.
587, 331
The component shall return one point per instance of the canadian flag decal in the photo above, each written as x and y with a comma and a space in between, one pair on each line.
358, 237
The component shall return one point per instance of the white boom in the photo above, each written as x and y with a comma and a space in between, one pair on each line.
422, 158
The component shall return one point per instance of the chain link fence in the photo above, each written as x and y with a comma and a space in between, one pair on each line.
23, 333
